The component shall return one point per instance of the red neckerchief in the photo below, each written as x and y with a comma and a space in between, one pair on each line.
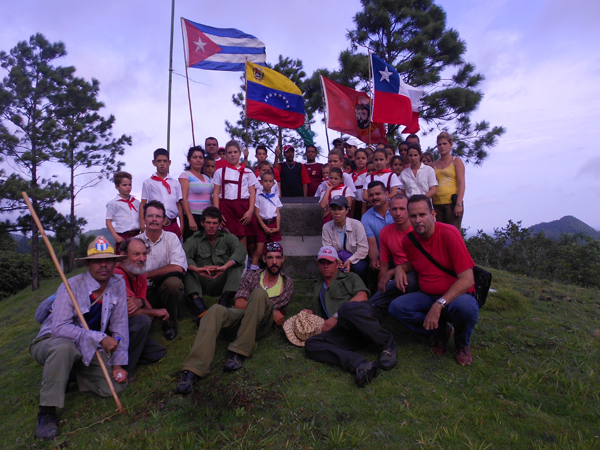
341, 185
355, 174
379, 172
130, 202
163, 181
241, 169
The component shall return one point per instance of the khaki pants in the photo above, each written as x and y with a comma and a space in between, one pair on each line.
59, 356
247, 325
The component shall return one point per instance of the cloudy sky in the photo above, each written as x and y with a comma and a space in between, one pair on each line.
540, 60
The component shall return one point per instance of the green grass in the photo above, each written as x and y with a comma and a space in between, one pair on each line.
534, 384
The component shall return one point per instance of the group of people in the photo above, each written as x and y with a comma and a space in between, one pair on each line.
209, 231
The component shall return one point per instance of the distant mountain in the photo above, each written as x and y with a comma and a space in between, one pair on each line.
23, 243
566, 225
102, 231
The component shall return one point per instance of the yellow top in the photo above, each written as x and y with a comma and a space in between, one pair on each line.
272, 291
447, 185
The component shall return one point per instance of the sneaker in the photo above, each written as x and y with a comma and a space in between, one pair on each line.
441, 343
47, 425
366, 372
198, 306
233, 362
186, 382
387, 358
227, 299
463, 356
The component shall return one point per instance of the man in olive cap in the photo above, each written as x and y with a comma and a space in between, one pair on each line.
64, 346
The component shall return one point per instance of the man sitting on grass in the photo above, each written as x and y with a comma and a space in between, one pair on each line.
442, 298
260, 302
351, 322
63, 345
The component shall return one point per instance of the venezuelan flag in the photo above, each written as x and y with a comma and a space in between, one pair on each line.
273, 98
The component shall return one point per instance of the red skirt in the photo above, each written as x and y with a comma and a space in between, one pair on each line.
261, 236
232, 211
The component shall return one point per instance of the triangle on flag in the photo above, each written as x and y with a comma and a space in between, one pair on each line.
199, 45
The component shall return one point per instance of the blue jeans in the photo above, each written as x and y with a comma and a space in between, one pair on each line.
462, 312
360, 269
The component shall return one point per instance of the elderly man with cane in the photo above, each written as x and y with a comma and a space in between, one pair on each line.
65, 345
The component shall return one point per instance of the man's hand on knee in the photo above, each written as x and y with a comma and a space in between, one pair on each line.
109, 344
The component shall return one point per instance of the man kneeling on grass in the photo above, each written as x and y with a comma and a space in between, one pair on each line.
260, 302
351, 322
63, 345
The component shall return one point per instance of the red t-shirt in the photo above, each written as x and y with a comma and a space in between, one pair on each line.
135, 288
315, 173
390, 241
220, 163
448, 248
275, 174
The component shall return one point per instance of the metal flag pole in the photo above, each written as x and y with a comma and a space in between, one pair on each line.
246, 95
187, 79
170, 78
70, 292
372, 102
325, 112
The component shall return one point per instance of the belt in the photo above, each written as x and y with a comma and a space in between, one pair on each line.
131, 233
269, 221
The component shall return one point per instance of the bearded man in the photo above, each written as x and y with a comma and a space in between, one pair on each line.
260, 302
142, 349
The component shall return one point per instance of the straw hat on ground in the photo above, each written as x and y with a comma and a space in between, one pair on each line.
303, 325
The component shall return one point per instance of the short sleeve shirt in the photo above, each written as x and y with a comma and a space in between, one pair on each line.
123, 217
390, 243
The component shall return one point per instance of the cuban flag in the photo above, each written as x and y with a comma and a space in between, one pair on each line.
391, 99
213, 48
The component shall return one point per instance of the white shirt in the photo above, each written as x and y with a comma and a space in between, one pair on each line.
166, 250
340, 190
347, 182
155, 190
420, 184
385, 178
361, 186
123, 218
267, 208
230, 190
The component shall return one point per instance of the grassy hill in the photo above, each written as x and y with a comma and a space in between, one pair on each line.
565, 225
533, 385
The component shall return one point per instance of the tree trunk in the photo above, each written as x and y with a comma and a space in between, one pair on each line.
72, 225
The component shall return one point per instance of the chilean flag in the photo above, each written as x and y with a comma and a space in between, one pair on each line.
415, 98
391, 102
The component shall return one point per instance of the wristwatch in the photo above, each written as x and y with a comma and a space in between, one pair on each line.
442, 301
335, 316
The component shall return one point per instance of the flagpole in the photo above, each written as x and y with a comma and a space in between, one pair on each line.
170, 77
187, 79
372, 103
324, 112
246, 94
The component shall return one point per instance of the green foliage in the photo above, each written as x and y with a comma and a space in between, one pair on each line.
411, 35
576, 259
264, 133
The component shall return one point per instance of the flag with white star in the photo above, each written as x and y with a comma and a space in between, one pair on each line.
213, 48
391, 99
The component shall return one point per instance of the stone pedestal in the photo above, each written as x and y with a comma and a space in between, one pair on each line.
301, 232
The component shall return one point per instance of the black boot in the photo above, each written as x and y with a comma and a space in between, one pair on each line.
227, 299
233, 362
47, 425
198, 306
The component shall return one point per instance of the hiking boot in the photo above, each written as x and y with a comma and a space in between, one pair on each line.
186, 382
233, 362
463, 356
227, 299
366, 372
198, 306
47, 425
441, 342
387, 358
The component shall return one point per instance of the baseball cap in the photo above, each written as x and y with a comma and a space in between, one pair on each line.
327, 252
339, 200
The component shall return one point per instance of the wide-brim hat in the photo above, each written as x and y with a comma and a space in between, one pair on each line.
302, 326
101, 248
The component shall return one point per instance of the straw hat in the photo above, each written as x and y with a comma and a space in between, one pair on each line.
101, 248
303, 325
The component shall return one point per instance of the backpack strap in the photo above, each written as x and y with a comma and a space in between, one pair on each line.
417, 244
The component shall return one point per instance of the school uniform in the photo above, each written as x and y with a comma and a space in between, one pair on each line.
274, 189
340, 190
347, 182
168, 192
234, 198
267, 205
386, 176
124, 216
359, 179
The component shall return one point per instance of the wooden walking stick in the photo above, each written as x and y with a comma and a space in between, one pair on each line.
75, 304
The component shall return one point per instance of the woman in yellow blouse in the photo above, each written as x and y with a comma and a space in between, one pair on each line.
450, 174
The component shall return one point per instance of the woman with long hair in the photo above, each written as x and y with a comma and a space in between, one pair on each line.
196, 189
